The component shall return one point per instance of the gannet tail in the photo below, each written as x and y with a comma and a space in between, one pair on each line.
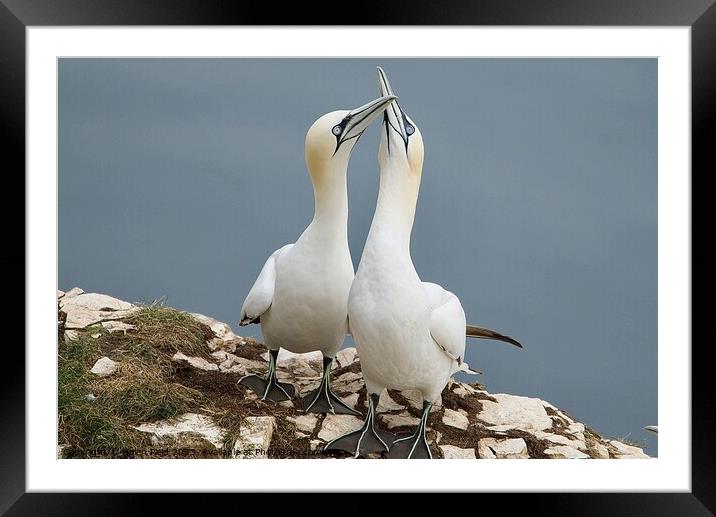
464, 367
485, 333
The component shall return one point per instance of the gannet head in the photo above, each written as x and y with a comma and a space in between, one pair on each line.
331, 138
401, 144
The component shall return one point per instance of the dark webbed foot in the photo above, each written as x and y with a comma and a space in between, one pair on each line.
365, 440
269, 388
323, 400
416, 445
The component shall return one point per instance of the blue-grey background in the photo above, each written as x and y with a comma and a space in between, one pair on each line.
538, 205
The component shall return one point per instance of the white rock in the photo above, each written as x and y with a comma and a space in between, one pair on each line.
72, 335
451, 452
89, 308
516, 412
117, 326
345, 357
304, 423
386, 403
455, 419
334, 426
314, 444
348, 382
415, 399
96, 335
104, 367
464, 390
254, 437
75, 291
243, 366
600, 450
392, 421
351, 400
560, 439
305, 365
219, 328
184, 429
624, 451
91, 397
299, 434
60, 294
565, 452
508, 448
196, 362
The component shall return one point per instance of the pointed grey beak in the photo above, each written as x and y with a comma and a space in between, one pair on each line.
360, 118
393, 117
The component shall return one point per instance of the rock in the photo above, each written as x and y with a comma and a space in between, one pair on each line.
309, 364
508, 448
349, 382
104, 367
334, 426
513, 412
225, 338
60, 294
242, 366
183, 431
452, 452
624, 451
415, 399
314, 444
72, 335
196, 362
464, 390
254, 437
96, 335
351, 400
75, 291
89, 308
91, 397
299, 434
577, 429
391, 421
600, 451
117, 326
560, 439
345, 357
455, 419
304, 423
386, 403
565, 452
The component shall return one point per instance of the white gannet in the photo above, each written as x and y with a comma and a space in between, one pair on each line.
300, 297
409, 334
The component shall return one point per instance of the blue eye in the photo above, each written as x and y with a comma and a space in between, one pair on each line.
409, 129
337, 130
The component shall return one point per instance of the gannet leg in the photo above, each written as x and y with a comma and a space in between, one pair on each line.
323, 400
269, 388
416, 445
365, 440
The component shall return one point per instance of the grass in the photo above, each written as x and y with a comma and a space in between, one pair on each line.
141, 390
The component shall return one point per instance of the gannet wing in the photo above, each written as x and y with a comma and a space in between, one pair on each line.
261, 294
447, 321
485, 333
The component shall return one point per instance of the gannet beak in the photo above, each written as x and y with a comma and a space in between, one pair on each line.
393, 116
357, 120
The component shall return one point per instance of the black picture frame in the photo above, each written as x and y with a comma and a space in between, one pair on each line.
17, 15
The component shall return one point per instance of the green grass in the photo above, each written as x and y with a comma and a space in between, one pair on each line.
140, 391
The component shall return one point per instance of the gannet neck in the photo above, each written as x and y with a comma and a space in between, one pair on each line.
330, 192
395, 209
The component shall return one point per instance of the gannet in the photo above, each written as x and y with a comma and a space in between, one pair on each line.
300, 297
409, 334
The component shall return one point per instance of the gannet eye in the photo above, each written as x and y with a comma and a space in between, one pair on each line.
409, 129
337, 130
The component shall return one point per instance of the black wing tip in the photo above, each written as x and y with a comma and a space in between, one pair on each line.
482, 333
